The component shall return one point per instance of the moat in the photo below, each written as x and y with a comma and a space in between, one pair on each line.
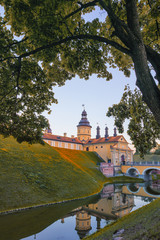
77, 219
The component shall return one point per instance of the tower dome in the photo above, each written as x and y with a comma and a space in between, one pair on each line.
84, 127
84, 121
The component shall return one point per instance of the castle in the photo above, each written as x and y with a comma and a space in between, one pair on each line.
112, 149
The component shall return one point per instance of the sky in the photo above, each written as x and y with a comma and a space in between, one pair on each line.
96, 94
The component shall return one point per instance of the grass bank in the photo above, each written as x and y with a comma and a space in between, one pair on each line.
34, 174
143, 223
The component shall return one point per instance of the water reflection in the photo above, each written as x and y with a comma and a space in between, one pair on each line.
113, 204
76, 219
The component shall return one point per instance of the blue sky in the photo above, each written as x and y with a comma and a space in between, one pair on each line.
97, 94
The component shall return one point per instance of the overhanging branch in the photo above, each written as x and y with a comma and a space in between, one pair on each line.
76, 37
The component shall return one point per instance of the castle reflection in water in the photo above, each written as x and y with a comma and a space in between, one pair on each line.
112, 205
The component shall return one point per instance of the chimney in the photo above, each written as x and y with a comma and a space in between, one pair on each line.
65, 134
48, 131
115, 132
72, 136
98, 132
106, 132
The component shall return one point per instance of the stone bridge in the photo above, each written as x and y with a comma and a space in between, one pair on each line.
139, 189
141, 169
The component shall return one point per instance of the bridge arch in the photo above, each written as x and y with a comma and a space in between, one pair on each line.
132, 171
147, 172
152, 192
133, 188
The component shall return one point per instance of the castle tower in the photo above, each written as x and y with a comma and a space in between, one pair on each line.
98, 132
106, 132
115, 132
84, 128
83, 223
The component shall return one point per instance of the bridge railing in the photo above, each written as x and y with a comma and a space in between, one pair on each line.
143, 163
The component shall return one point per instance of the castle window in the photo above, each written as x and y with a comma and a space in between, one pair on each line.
72, 146
59, 144
66, 145
96, 147
101, 146
53, 143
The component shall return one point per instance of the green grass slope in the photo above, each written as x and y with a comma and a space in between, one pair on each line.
35, 174
143, 223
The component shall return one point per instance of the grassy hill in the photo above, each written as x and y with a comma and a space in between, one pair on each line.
35, 174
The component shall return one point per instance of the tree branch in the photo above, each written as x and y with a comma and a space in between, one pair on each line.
17, 42
83, 6
132, 19
122, 31
76, 37
154, 58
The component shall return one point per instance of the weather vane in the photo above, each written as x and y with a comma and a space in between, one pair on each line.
83, 106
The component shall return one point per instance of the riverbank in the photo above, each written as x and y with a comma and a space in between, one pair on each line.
143, 223
110, 180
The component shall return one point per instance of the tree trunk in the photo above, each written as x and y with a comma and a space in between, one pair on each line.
145, 81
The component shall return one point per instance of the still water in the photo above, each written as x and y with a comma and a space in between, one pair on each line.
77, 219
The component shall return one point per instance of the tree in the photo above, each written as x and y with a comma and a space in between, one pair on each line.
55, 34
142, 128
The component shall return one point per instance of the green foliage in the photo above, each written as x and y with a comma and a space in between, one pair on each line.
48, 42
142, 128
148, 157
157, 152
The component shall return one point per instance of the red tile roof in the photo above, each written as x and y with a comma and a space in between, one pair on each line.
76, 140
61, 138
103, 140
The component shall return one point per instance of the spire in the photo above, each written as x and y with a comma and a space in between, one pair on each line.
84, 121
106, 132
98, 132
115, 132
